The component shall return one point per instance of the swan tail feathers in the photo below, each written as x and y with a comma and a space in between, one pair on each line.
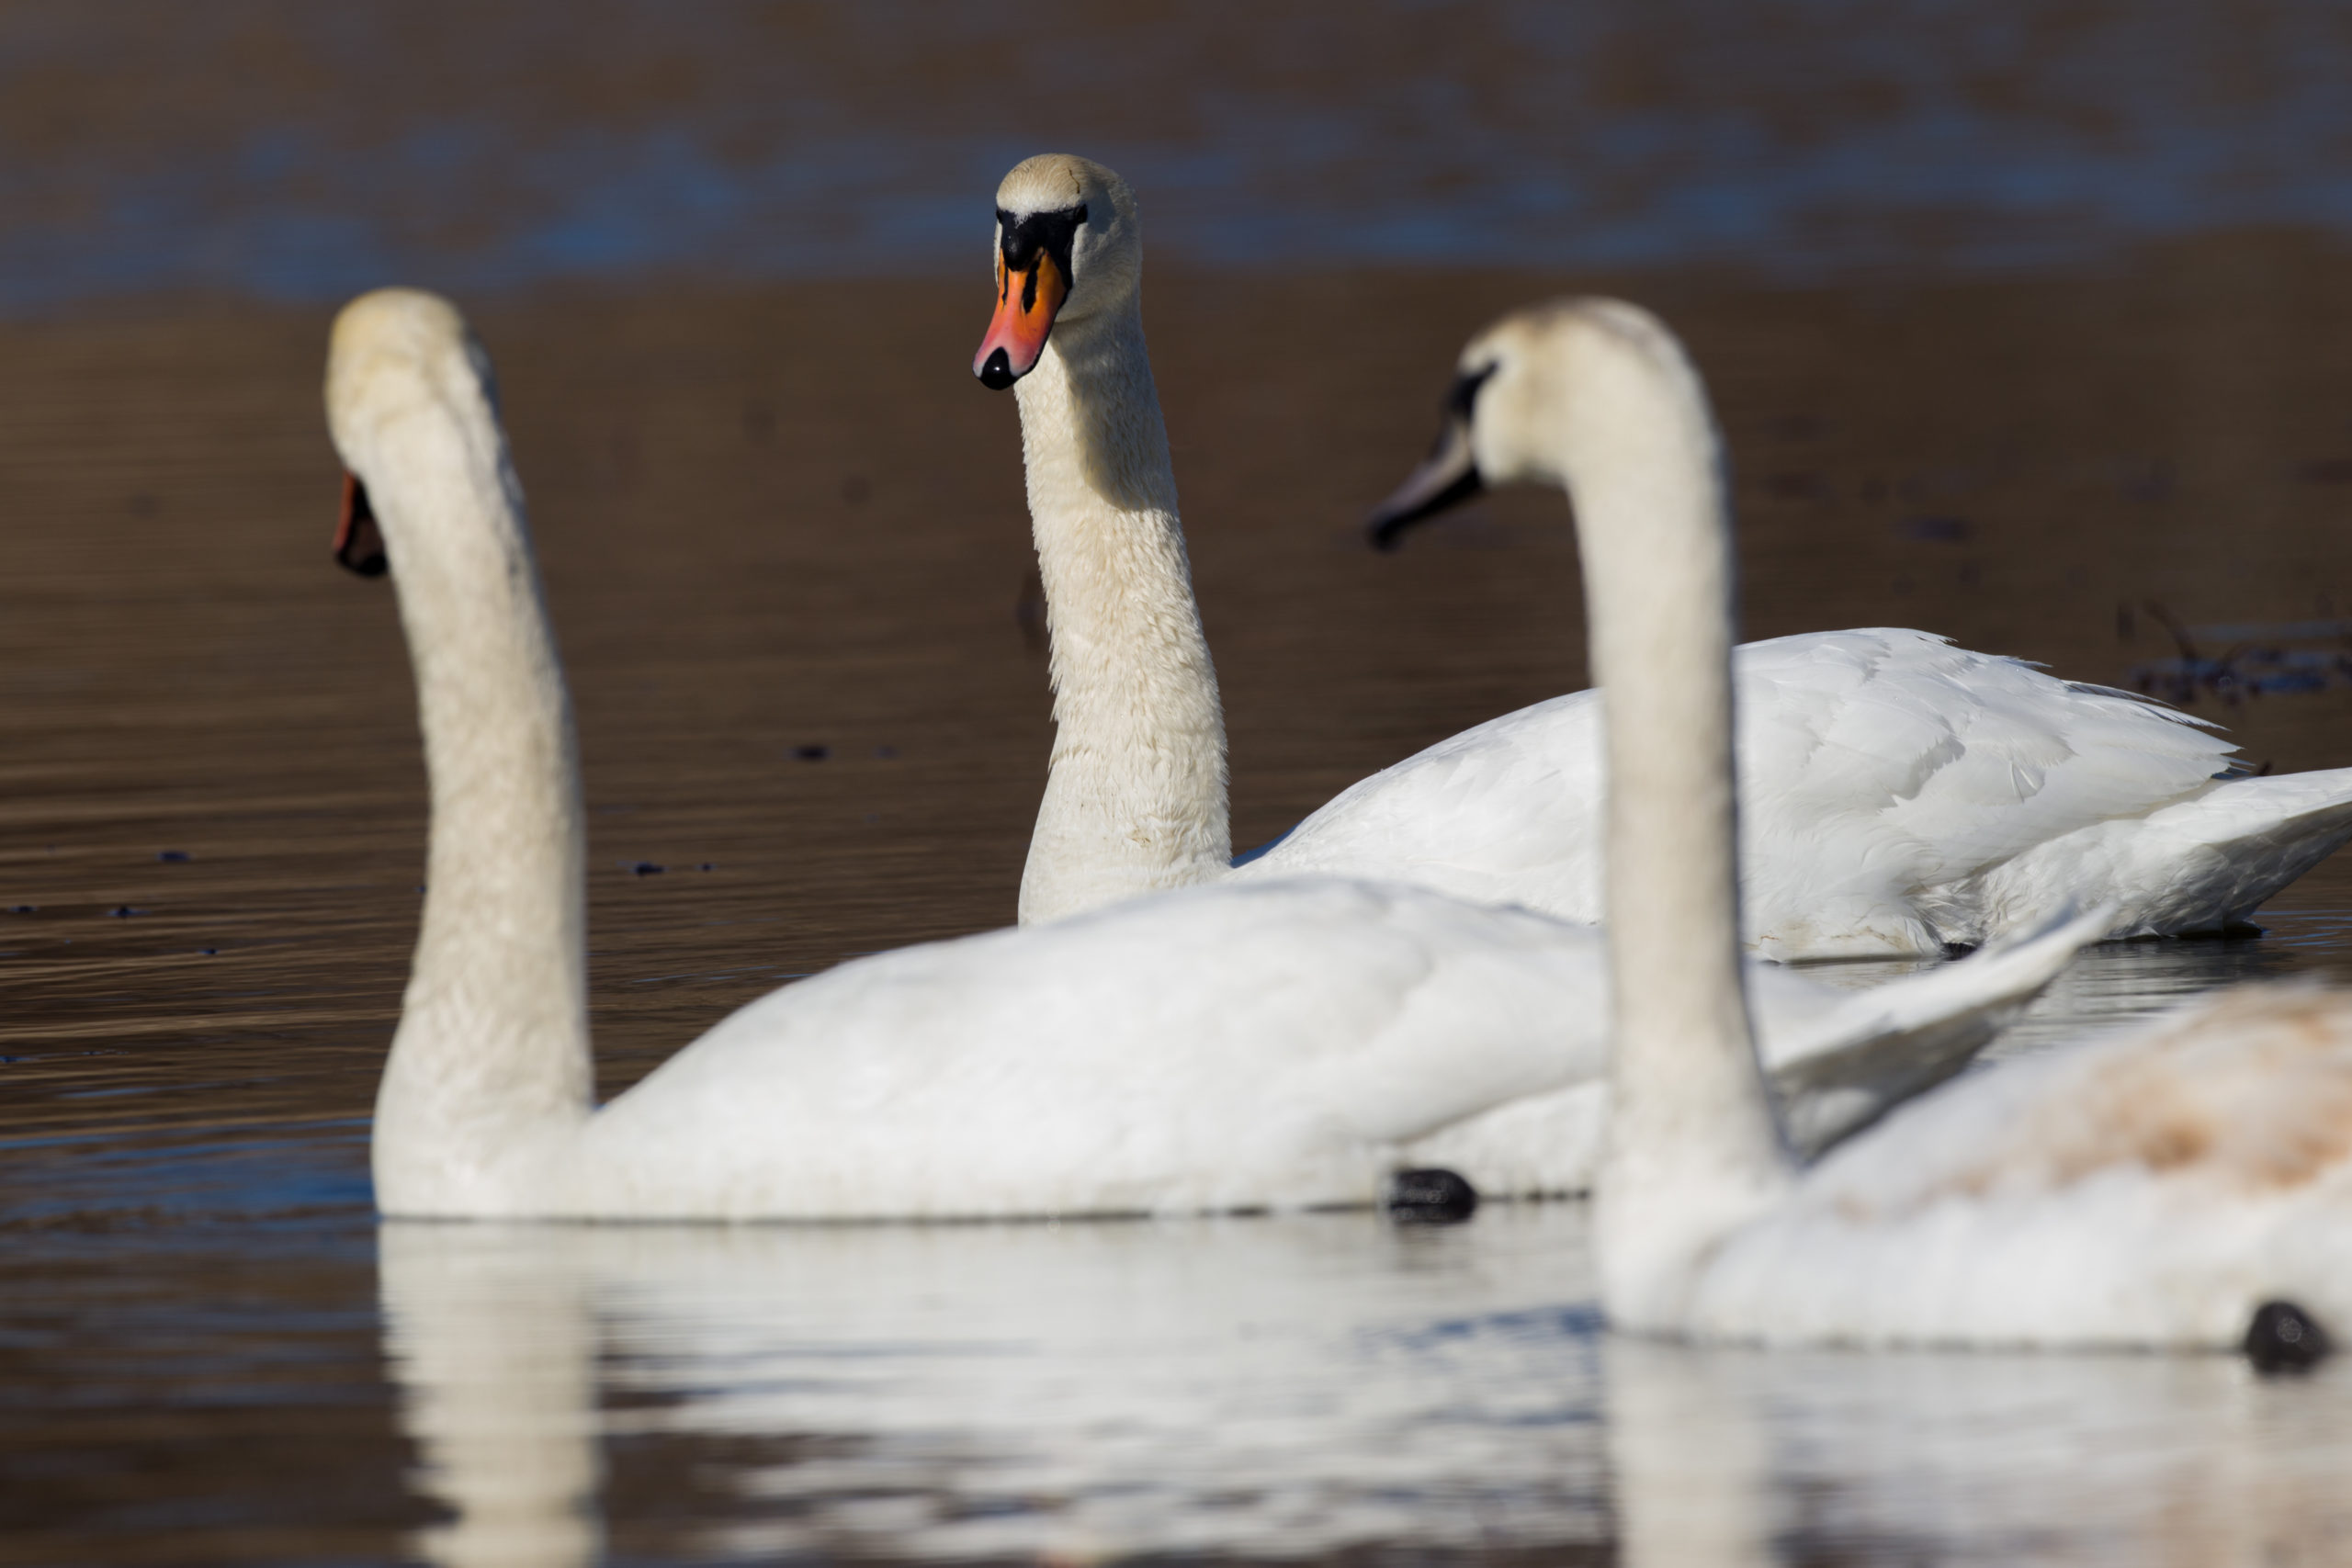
1891, 1044
2311, 803
2206, 864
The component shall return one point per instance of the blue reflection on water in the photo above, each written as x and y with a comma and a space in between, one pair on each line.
1804, 140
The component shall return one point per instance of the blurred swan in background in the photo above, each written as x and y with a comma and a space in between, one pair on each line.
2187, 1186
1276, 1044
1901, 796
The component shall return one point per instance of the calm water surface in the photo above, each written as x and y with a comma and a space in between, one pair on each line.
787, 552
214, 1354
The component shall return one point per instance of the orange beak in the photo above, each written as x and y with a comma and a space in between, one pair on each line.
1025, 303
358, 542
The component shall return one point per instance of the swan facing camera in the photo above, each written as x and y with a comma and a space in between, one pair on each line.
2283, 1338
1431, 1196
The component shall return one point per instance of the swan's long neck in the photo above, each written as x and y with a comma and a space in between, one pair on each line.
1136, 794
490, 1066
1693, 1149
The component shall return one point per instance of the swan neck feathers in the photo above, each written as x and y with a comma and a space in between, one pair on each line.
1599, 396
491, 1057
1136, 794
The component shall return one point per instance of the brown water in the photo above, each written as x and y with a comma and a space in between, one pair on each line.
779, 517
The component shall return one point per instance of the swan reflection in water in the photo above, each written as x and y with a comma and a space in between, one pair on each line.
1276, 1389
1250, 1385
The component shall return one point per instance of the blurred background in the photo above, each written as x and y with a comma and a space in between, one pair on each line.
2029, 321
298, 153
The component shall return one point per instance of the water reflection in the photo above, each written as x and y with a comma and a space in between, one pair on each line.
1279, 1389
746, 559
1736, 1457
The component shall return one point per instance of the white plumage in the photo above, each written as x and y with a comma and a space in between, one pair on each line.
1289, 1044
1900, 795
2148, 1190
1283, 1045
2151, 1190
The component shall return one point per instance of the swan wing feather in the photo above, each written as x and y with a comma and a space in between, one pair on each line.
2149, 1190
1886, 780
1212, 1048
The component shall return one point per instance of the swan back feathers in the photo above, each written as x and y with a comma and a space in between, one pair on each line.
2250, 1092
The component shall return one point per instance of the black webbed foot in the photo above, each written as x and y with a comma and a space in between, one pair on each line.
2284, 1338
1431, 1196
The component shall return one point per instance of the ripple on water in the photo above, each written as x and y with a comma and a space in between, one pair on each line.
203, 1358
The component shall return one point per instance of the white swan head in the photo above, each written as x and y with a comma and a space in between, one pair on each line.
1068, 250
1535, 391
394, 356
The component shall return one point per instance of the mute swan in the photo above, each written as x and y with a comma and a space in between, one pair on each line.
1276, 1044
1902, 796
2155, 1190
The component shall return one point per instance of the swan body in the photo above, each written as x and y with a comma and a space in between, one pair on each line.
1288, 1046
1898, 795
1901, 796
1108, 1070
1285, 1045
2149, 1190
2153, 1190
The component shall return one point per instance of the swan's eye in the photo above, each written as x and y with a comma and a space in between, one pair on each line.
1031, 235
1462, 398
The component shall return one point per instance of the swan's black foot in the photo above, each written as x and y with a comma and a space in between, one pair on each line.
1431, 1196
2283, 1338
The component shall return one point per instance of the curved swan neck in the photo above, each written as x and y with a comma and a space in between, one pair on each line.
492, 1049
1694, 1147
1136, 794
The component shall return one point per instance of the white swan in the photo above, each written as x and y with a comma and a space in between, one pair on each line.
2155, 1190
1902, 796
1284, 1044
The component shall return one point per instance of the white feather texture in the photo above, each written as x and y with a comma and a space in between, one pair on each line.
1136, 793
1280, 1044
1899, 795
2153, 1190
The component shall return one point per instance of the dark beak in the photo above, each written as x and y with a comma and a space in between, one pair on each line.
1448, 476
358, 543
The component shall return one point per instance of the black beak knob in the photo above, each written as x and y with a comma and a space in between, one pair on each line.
995, 371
